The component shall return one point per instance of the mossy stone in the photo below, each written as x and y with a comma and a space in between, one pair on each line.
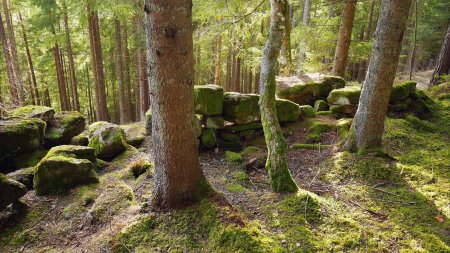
321, 105
148, 122
300, 146
401, 105
10, 192
198, 125
345, 96
287, 111
208, 138
79, 152
215, 122
233, 157
245, 127
229, 140
107, 139
402, 91
241, 108
307, 111
63, 127
34, 111
140, 167
23, 176
58, 174
81, 139
208, 99
134, 133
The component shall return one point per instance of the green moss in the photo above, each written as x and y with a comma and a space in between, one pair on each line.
134, 133
345, 96
208, 138
215, 122
326, 113
249, 150
235, 188
107, 139
321, 105
33, 111
307, 111
63, 127
208, 99
139, 167
420, 124
233, 158
401, 91
310, 146
241, 108
287, 111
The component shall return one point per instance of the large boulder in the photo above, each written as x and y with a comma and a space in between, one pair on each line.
241, 108
402, 91
63, 127
309, 88
34, 111
208, 99
345, 96
23, 176
10, 191
287, 111
107, 139
73, 151
134, 133
81, 139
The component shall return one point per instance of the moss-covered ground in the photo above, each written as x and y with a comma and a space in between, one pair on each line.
348, 202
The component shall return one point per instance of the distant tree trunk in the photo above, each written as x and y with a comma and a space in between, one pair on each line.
443, 64
97, 64
127, 74
144, 87
63, 98
368, 35
9, 66
286, 46
277, 166
35, 89
123, 107
305, 21
250, 81
137, 94
218, 69
233, 72
345, 35
256, 84
89, 94
179, 179
14, 54
229, 66
237, 75
73, 78
368, 126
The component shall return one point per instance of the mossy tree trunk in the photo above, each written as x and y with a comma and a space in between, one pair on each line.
179, 179
280, 177
368, 126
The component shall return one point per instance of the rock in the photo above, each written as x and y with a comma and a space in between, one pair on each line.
309, 88
321, 105
307, 111
421, 105
134, 133
257, 163
23, 176
148, 122
33, 111
244, 127
78, 152
241, 108
208, 138
208, 99
11, 191
401, 105
233, 158
107, 139
402, 91
198, 125
345, 96
139, 167
287, 111
343, 110
63, 127
57, 174
81, 139
229, 140
215, 122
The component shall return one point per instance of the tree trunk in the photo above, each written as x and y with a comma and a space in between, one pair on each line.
368, 125
144, 87
306, 12
305, 21
237, 75
9, 66
277, 166
89, 94
233, 72
345, 35
97, 65
218, 69
14, 55
443, 64
63, 98
73, 79
286, 46
179, 179
229, 66
127, 74
123, 106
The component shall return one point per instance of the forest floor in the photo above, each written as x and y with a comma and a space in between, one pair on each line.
348, 202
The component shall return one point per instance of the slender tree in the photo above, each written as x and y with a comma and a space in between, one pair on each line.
127, 74
286, 46
368, 126
218, 70
443, 64
124, 117
280, 177
345, 34
9, 66
179, 179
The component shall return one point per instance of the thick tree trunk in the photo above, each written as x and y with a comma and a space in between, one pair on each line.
345, 35
14, 54
123, 106
179, 179
368, 125
443, 64
277, 166
73, 78
218, 70
9, 65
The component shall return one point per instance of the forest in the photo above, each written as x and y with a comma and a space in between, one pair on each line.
225, 126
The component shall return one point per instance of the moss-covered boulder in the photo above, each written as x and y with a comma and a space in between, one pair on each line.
401, 91
73, 151
345, 96
287, 111
244, 127
400, 105
321, 105
63, 127
208, 99
216, 122
229, 140
208, 138
10, 191
309, 89
34, 111
241, 108
59, 173
198, 119
23, 176
107, 139
148, 122
81, 139
134, 133
307, 111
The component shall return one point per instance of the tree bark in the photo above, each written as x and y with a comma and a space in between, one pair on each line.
286, 46
306, 12
127, 74
277, 166
229, 65
368, 126
237, 75
73, 78
443, 64
179, 179
9, 66
144, 87
89, 94
124, 117
218, 69
63, 98
345, 35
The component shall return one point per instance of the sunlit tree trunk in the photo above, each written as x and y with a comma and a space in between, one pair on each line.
443, 64
178, 178
277, 166
229, 65
124, 117
73, 78
127, 74
237, 75
367, 37
286, 46
218, 69
144, 87
368, 126
9, 66
63, 98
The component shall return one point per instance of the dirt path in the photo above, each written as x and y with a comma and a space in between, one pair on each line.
422, 78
